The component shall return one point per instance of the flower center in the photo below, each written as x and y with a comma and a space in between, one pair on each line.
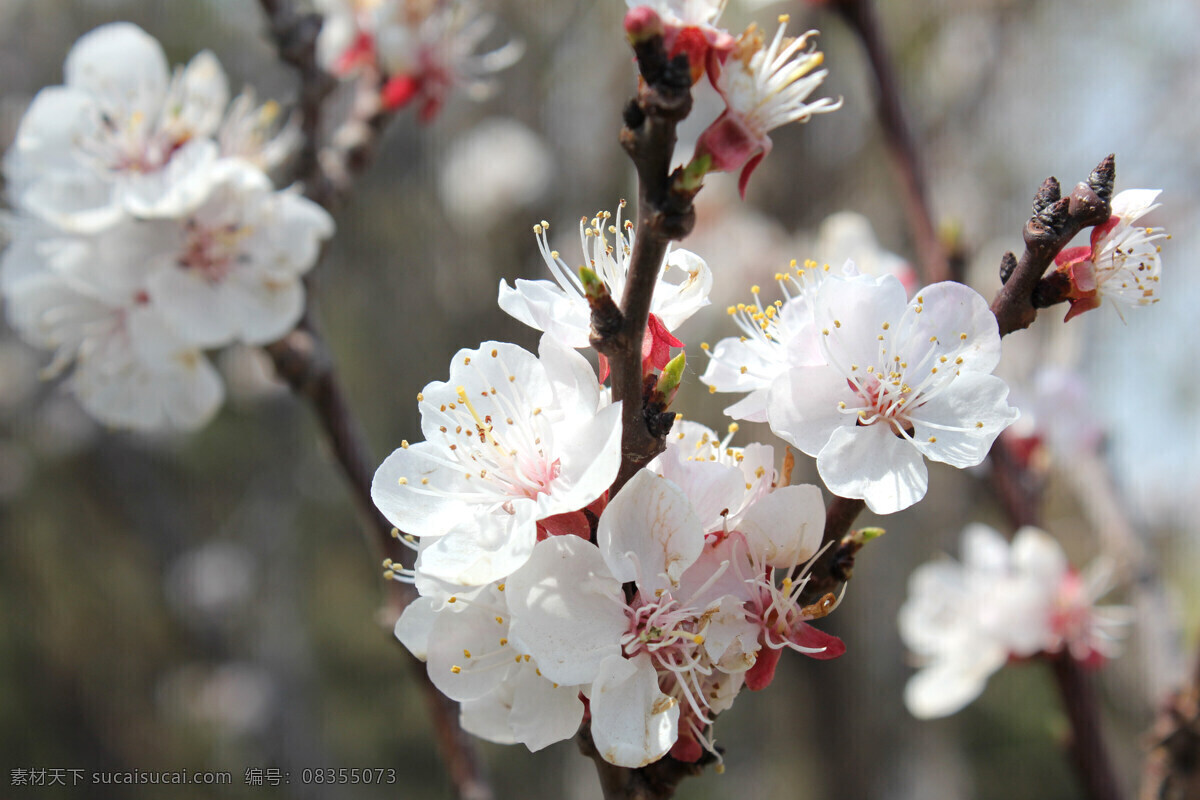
212, 252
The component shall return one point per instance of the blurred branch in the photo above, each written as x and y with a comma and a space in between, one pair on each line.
1087, 739
1055, 221
901, 146
665, 213
1172, 769
303, 360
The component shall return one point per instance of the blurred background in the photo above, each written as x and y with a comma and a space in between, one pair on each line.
206, 603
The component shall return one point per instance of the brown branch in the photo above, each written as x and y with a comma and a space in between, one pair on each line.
1055, 221
1172, 769
1086, 745
836, 564
901, 146
302, 359
664, 214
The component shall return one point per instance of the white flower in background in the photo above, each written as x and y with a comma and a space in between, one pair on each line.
472, 659
965, 621
1123, 262
229, 268
560, 308
661, 665
764, 87
121, 135
848, 236
129, 368
424, 50
513, 443
252, 133
774, 338
492, 171
901, 380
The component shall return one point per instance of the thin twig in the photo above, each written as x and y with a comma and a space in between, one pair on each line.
901, 146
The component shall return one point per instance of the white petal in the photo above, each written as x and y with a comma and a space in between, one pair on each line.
852, 310
568, 611
465, 658
649, 533
633, 723
543, 713
575, 383
414, 626
119, 61
985, 550
712, 487
1036, 554
429, 509
946, 686
589, 458
730, 639
544, 306
179, 187
1134, 203
874, 464
675, 303
950, 310
958, 425
803, 409
487, 717
482, 549
786, 526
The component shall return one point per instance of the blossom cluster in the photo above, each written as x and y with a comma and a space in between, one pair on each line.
412, 52
765, 82
964, 621
146, 229
849, 370
544, 600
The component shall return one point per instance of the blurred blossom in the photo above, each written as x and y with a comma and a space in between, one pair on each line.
249, 374
214, 579
495, 169
965, 620
847, 235
235, 696
1057, 410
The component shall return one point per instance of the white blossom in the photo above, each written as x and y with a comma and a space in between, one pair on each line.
560, 308
123, 134
901, 380
512, 441
965, 620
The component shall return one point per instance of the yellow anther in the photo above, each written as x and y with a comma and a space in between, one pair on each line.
456, 669
466, 653
403, 481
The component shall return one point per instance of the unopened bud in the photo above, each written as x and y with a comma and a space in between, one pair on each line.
593, 287
671, 377
642, 24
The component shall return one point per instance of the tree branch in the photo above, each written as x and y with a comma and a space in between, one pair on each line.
1086, 745
901, 146
664, 214
1055, 221
303, 360
1172, 769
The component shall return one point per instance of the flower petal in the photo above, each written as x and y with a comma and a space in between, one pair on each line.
874, 464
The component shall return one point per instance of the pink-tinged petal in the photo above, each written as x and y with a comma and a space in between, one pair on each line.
729, 143
687, 749
589, 458
649, 533
751, 165
1081, 305
633, 723
399, 91
785, 526
874, 464
568, 611
802, 407
1073, 255
763, 672
825, 645
1083, 276
656, 345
